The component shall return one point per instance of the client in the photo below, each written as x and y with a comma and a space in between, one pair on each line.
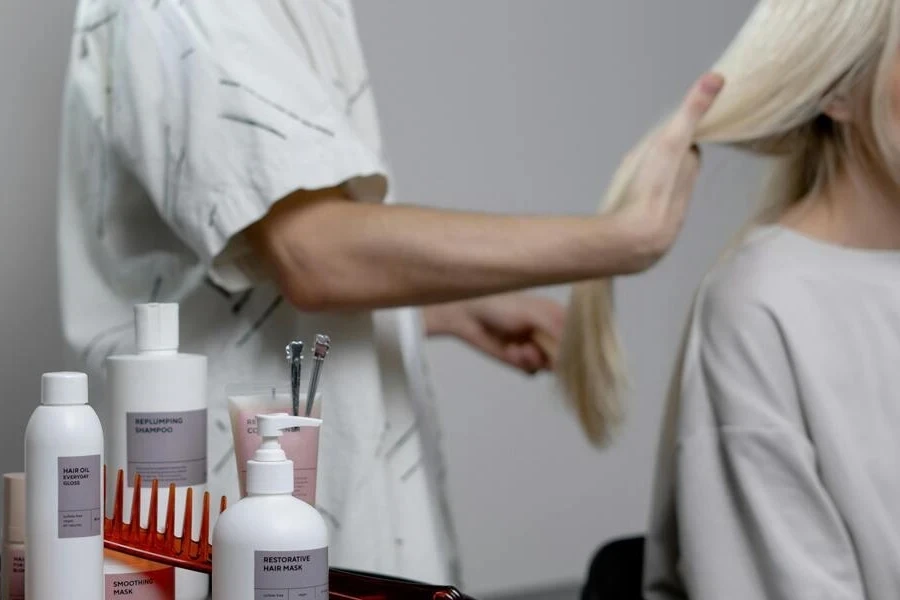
779, 471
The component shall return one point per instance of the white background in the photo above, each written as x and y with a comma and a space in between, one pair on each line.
494, 105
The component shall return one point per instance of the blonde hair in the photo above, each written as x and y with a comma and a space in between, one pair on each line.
790, 59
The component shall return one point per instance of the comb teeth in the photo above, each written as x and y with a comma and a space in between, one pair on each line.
166, 546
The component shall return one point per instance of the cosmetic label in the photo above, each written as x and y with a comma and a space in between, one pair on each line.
17, 574
300, 445
293, 575
148, 585
80, 488
167, 446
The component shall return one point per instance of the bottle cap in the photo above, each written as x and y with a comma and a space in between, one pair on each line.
14, 508
270, 471
156, 327
64, 388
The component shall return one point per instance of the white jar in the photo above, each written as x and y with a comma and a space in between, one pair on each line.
134, 578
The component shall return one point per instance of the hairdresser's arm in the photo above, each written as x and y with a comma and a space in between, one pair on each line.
329, 253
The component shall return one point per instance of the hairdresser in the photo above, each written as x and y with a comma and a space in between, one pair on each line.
227, 156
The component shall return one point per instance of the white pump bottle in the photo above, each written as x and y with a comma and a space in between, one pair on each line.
270, 541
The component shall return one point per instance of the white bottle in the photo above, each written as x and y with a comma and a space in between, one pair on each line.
270, 542
158, 425
12, 582
63, 491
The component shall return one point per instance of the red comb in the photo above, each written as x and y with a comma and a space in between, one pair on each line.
164, 546
168, 548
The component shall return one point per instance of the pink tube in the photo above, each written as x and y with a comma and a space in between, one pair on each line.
300, 446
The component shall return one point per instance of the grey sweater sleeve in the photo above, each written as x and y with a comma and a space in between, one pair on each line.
754, 520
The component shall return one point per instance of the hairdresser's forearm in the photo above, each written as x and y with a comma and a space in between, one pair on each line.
337, 255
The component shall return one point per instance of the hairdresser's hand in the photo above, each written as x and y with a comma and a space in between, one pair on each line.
663, 181
521, 330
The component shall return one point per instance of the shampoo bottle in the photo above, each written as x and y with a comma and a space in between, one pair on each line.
158, 425
63, 490
270, 544
12, 583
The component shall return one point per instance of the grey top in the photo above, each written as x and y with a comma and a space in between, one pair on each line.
779, 470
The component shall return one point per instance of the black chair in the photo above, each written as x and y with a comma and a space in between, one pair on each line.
616, 571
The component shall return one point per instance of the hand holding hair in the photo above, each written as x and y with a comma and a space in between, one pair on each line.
662, 172
649, 196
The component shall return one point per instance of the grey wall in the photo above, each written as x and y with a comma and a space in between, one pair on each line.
496, 105
34, 38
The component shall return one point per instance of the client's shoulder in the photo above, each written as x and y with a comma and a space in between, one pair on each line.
760, 274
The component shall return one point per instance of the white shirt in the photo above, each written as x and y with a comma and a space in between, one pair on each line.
779, 475
183, 123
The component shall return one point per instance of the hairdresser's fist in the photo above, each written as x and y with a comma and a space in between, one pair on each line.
521, 330
661, 173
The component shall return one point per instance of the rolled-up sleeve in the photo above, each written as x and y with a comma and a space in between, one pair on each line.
218, 118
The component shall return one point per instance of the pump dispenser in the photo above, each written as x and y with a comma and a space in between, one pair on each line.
270, 471
158, 425
270, 542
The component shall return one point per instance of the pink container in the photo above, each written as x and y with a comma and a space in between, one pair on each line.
301, 445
